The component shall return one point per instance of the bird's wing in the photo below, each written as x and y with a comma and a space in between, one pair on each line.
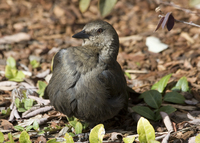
64, 77
114, 80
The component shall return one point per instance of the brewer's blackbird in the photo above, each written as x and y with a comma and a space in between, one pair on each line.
87, 81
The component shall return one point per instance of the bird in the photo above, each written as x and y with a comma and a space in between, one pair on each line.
87, 81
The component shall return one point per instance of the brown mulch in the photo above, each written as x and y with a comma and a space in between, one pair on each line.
51, 24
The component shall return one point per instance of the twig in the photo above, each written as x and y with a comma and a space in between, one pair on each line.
178, 7
136, 71
189, 23
40, 110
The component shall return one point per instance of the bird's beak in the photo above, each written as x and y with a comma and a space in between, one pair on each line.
81, 35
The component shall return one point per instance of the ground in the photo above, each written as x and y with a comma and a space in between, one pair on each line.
47, 26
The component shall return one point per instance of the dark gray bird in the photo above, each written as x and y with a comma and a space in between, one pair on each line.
87, 81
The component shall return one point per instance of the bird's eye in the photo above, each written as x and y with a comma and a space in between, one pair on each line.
100, 30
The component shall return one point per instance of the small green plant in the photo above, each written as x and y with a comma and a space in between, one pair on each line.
10, 137
41, 85
129, 139
197, 139
11, 71
145, 131
77, 125
97, 133
154, 99
35, 126
35, 64
105, 6
24, 137
24, 104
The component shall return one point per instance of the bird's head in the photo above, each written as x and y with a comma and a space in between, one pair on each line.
99, 34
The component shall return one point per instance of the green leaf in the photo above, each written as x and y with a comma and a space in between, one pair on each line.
42, 85
10, 138
73, 123
78, 128
128, 75
174, 97
18, 77
182, 84
144, 111
145, 130
105, 6
85, 125
19, 128
21, 109
28, 103
97, 133
83, 5
24, 137
167, 109
52, 141
1, 137
161, 84
41, 132
11, 62
153, 98
28, 128
194, 3
68, 138
17, 102
35, 125
129, 139
153, 141
71, 134
197, 139
6, 112
10, 73
35, 64
70, 118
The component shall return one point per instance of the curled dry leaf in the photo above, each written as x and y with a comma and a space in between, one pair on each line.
167, 20
167, 121
15, 38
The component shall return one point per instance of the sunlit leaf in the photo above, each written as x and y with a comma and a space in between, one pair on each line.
35, 125
194, 3
28, 103
129, 139
52, 141
35, 64
161, 84
145, 130
28, 128
182, 84
11, 62
1, 137
128, 75
96, 134
19, 128
42, 85
24, 137
83, 5
105, 6
10, 138
78, 128
68, 138
197, 139
18, 77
